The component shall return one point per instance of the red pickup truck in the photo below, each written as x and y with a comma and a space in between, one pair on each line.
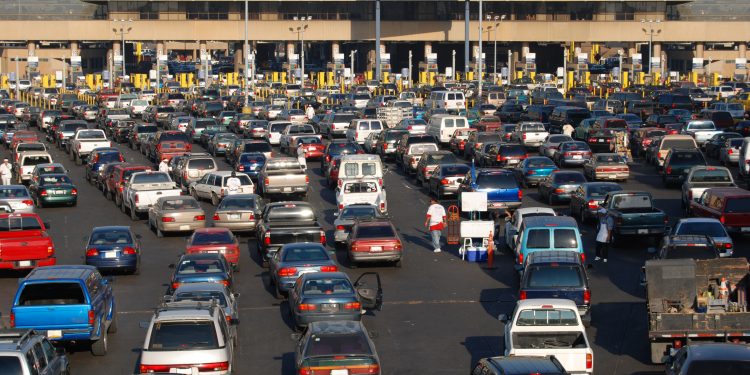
729, 205
24, 242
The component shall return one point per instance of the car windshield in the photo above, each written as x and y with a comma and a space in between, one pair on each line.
51, 293
237, 204
712, 229
110, 237
553, 276
711, 175
304, 254
51, 169
201, 296
677, 143
327, 287
257, 147
442, 158
10, 365
575, 146
91, 134
702, 126
212, 238
609, 158
375, 231
183, 336
496, 181
189, 267
559, 139
359, 212
455, 170
512, 150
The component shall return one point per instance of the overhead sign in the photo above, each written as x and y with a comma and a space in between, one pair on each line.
118, 59
32, 61
655, 62
637, 59
740, 63
338, 58
431, 58
293, 58
385, 58
531, 58
583, 58
697, 63
75, 61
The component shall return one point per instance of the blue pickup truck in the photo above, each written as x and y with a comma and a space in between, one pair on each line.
503, 192
68, 303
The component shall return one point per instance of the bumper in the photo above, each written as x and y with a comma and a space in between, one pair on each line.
640, 231
375, 257
340, 235
612, 176
235, 226
573, 161
534, 180
285, 190
28, 264
448, 190
181, 227
129, 262
561, 197
305, 319
314, 155
59, 200
503, 205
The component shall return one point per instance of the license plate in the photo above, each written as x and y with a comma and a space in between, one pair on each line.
512, 161
181, 371
339, 372
577, 157
287, 189
234, 216
54, 334
24, 263
184, 227
642, 231
745, 229
329, 307
110, 254
376, 248
601, 141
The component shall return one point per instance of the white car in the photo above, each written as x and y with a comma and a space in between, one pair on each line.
512, 224
359, 129
549, 327
213, 186
136, 107
361, 191
274, 131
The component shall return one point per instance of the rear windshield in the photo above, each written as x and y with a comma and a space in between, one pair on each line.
54, 180
237, 204
687, 158
344, 117
151, 178
178, 136
487, 138
329, 345
677, 143
712, 229
455, 170
277, 128
183, 335
352, 212
533, 128
353, 169
627, 201
72, 127
602, 190
704, 367
569, 178
393, 135
512, 150
304, 254
702, 126
375, 231
252, 158
16, 223
565, 239
291, 212
496, 181
711, 175
421, 148
91, 134
212, 238
547, 317
108, 157
51, 293
554, 276
361, 187
34, 160
201, 164
691, 251
110, 237
737, 205
257, 147
327, 287
538, 239
721, 115
180, 204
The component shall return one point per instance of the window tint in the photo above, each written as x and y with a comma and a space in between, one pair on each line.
375, 231
203, 296
554, 277
10, 366
304, 254
51, 294
201, 164
569, 178
496, 181
677, 143
538, 239
327, 287
737, 205
565, 239
183, 336
211, 238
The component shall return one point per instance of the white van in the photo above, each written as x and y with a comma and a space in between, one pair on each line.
442, 127
359, 129
744, 160
357, 166
447, 100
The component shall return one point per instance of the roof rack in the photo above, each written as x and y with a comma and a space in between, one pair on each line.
16, 336
168, 305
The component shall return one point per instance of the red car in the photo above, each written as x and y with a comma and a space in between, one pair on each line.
26, 246
729, 205
374, 240
332, 174
314, 147
215, 240
115, 181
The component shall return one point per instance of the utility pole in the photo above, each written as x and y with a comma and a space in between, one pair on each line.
377, 40
246, 52
410, 75
479, 58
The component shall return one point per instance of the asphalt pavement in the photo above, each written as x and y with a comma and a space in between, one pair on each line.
439, 314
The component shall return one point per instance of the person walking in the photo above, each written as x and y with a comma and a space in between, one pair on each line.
6, 172
568, 129
435, 221
233, 184
301, 158
603, 235
164, 165
310, 112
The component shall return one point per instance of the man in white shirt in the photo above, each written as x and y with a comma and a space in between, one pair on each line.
233, 184
603, 235
6, 172
310, 112
568, 129
164, 166
435, 221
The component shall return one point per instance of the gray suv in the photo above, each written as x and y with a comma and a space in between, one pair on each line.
198, 331
24, 352
192, 167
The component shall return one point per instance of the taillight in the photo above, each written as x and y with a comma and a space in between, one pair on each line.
530, 172
43, 193
352, 306
329, 269
677, 344
522, 295
341, 206
322, 237
306, 307
167, 220
307, 179
592, 140
216, 217
520, 258
559, 191
92, 252
74, 192
729, 151
523, 136
339, 227
444, 181
199, 217
593, 204
266, 181
28, 202
12, 320
136, 198
287, 271
267, 238
721, 219
727, 245
128, 251
501, 158
586, 296
520, 194
583, 257
241, 168
589, 360
669, 170
92, 317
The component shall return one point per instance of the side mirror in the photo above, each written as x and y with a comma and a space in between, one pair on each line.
296, 336
236, 295
503, 318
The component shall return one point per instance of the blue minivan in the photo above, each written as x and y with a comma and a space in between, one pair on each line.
544, 233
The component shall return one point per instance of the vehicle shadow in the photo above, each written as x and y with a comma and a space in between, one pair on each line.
288, 366
498, 300
620, 329
482, 347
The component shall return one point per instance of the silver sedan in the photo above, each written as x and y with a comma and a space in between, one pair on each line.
550, 145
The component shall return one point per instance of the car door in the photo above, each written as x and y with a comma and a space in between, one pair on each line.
55, 363
97, 300
42, 365
510, 229
200, 185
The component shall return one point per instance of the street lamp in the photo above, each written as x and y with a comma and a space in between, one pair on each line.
479, 58
300, 30
246, 52
351, 66
650, 32
497, 20
122, 31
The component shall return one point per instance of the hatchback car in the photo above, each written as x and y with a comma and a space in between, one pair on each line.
114, 248
295, 259
215, 240
559, 186
200, 268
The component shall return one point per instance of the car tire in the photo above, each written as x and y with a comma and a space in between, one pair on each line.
99, 347
215, 199
398, 263
133, 214
113, 324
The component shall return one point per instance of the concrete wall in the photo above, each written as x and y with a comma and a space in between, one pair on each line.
517, 31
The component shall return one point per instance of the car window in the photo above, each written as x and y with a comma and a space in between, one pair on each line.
554, 276
180, 204
40, 357
201, 164
211, 238
375, 231
327, 287
181, 336
565, 239
306, 254
704, 366
63, 293
547, 317
202, 296
49, 351
110, 237
737, 205
538, 239
31, 363
328, 345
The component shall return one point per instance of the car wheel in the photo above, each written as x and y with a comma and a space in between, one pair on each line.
214, 200
113, 324
133, 214
99, 347
398, 263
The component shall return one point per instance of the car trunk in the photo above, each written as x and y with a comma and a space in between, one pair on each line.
24, 246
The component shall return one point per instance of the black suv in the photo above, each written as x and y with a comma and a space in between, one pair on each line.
677, 164
518, 365
665, 102
557, 274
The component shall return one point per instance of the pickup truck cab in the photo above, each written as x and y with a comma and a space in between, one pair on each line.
287, 222
700, 178
729, 205
143, 189
546, 233
700, 130
634, 215
557, 274
549, 327
283, 176
291, 133
85, 141
70, 303
25, 242
366, 190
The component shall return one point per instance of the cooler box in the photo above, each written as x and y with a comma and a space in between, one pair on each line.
476, 254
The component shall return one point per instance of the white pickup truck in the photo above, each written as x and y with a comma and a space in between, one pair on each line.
549, 327
530, 134
143, 189
85, 141
700, 130
361, 191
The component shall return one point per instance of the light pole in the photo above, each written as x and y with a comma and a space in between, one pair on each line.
453, 64
300, 30
497, 20
479, 58
351, 66
410, 69
650, 32
619, 66
246, 52
122, 33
